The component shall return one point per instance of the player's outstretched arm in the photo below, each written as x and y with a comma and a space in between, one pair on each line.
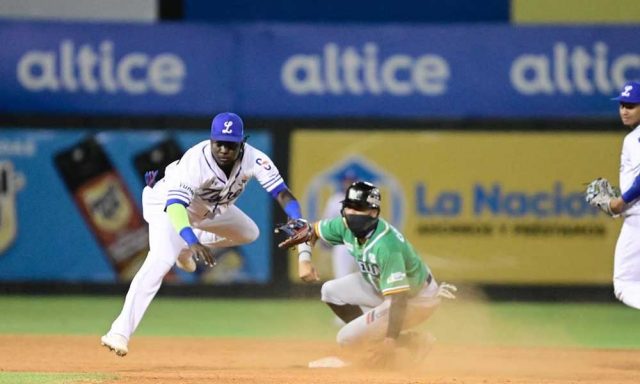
307, 271
180, 222
289, 203
397, 312
616, 205
382, 354
602, 195
300, 233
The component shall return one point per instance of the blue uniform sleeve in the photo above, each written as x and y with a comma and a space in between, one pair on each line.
633, 192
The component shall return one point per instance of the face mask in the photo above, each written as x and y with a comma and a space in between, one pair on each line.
361, 225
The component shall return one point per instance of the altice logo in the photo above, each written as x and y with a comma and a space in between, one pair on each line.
569, 70
350, 70
85, 68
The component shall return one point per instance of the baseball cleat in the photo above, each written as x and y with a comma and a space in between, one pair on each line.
186, 263
115, 343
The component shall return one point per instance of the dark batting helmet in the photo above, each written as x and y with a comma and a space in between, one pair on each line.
362, 195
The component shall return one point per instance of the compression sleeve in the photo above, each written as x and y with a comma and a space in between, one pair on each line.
180, 221
633, 192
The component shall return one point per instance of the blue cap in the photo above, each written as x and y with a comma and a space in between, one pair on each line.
227, 126
630, 93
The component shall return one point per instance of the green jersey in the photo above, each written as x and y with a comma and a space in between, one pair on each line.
386, 260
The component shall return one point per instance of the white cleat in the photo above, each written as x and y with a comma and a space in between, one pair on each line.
186, 263
115, 343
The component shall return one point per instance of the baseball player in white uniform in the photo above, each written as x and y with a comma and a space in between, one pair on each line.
626, 269
192, 209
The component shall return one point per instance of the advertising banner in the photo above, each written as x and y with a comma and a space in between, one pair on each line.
298, 70
439, 71
480, 207
70, 207
114, 68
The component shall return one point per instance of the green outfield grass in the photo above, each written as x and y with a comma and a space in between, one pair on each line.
610, 325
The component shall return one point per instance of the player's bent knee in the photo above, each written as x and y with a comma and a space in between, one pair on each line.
345, 338
327, 293
250, 238
342, 340
356, 332
250, 235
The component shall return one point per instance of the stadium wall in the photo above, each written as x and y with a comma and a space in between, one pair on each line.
128, 88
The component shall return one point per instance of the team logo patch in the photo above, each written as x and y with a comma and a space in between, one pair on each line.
374, 197
227, 127
395, 277
627, 91
354, 194
263, 163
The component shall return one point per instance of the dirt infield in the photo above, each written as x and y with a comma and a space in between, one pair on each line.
238, 361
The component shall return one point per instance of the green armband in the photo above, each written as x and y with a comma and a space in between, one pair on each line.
178, 216
180, 220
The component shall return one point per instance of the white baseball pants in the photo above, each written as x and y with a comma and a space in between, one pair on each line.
230, 228
626, 267
342, 261
372, 325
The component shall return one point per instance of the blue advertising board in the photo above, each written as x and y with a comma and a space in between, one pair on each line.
471, 71
114, 69
47, 235
297, 70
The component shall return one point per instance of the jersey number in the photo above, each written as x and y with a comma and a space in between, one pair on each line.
371, 269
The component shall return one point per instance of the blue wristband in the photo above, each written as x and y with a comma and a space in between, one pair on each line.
633, 192
276, 191
187, 234
293, 210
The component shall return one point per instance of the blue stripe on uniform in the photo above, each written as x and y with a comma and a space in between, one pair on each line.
276, 191
179, 193
270, 180
272, 184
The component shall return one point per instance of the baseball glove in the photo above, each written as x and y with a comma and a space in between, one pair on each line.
298, 231
599, 193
